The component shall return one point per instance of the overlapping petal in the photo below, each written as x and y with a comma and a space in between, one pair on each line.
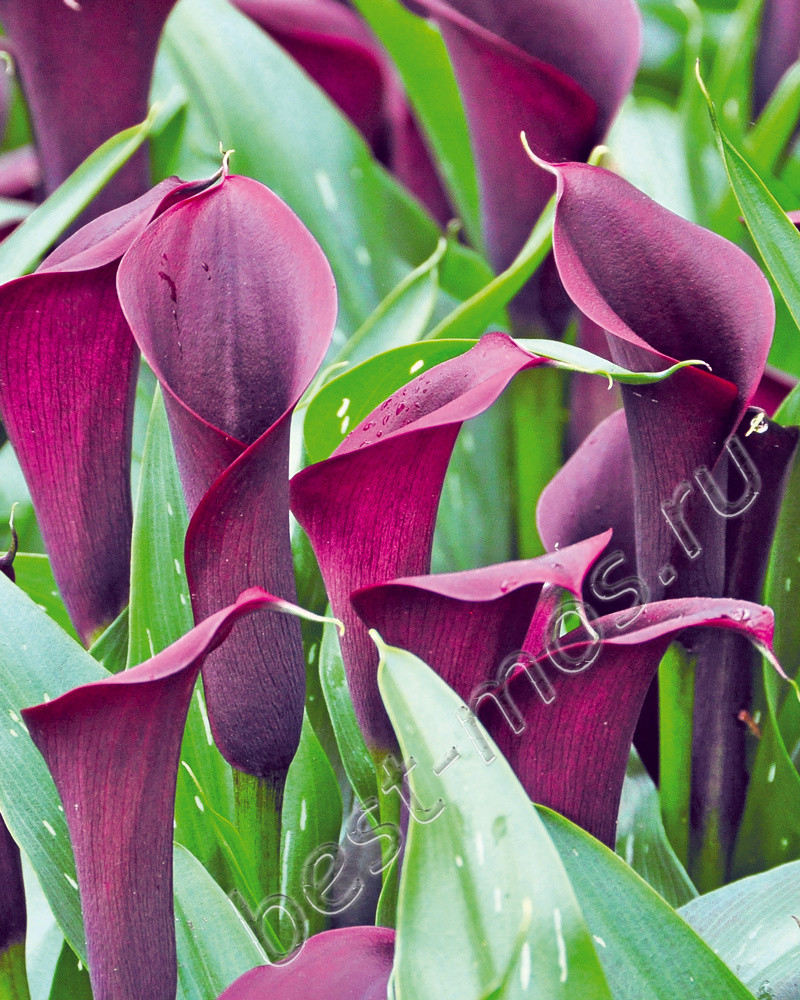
465, 625
573, 751
85, 70
353, 963
370, 509
68, 366
119, 804
233, 305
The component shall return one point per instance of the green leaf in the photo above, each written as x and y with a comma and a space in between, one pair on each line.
159, 613
249, 94
767, 141
160, 609
777, 239
477, 479
312, 816
732, 80
675, 707
110, 649
71, 978
13, 977
356, 759
215, 945
648, 952
35, 577
418, 52
472, 317
479, 871
751, 925
346, 400
403, 316
21, 251
641, 839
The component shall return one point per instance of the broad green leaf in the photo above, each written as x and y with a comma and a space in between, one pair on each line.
418, 52
160, 609
777, 239
477, 481
356, 759
648, 952
110, 649
312, 817
247, 93
646, 143
641, 839
38, 661
770, 830
675, 707
215, 945
480, 872
751, 925
766, 143
13, 977
159, 613
403, 316
22, 250
472, 317
537, 400
731, 82
35, 577
71, 977
13, 210
346, 400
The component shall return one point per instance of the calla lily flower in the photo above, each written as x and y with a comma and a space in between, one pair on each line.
556, 70
370, 509
551, 702
68, 367
353, 963
663, 288
85, 71
119, 805
233, 305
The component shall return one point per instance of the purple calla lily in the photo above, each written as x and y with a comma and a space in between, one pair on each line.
68, 366
465, 625
556, 70
550, 702
370, 508
353, 963
119, 805
233, 304
85, 69
663, 288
